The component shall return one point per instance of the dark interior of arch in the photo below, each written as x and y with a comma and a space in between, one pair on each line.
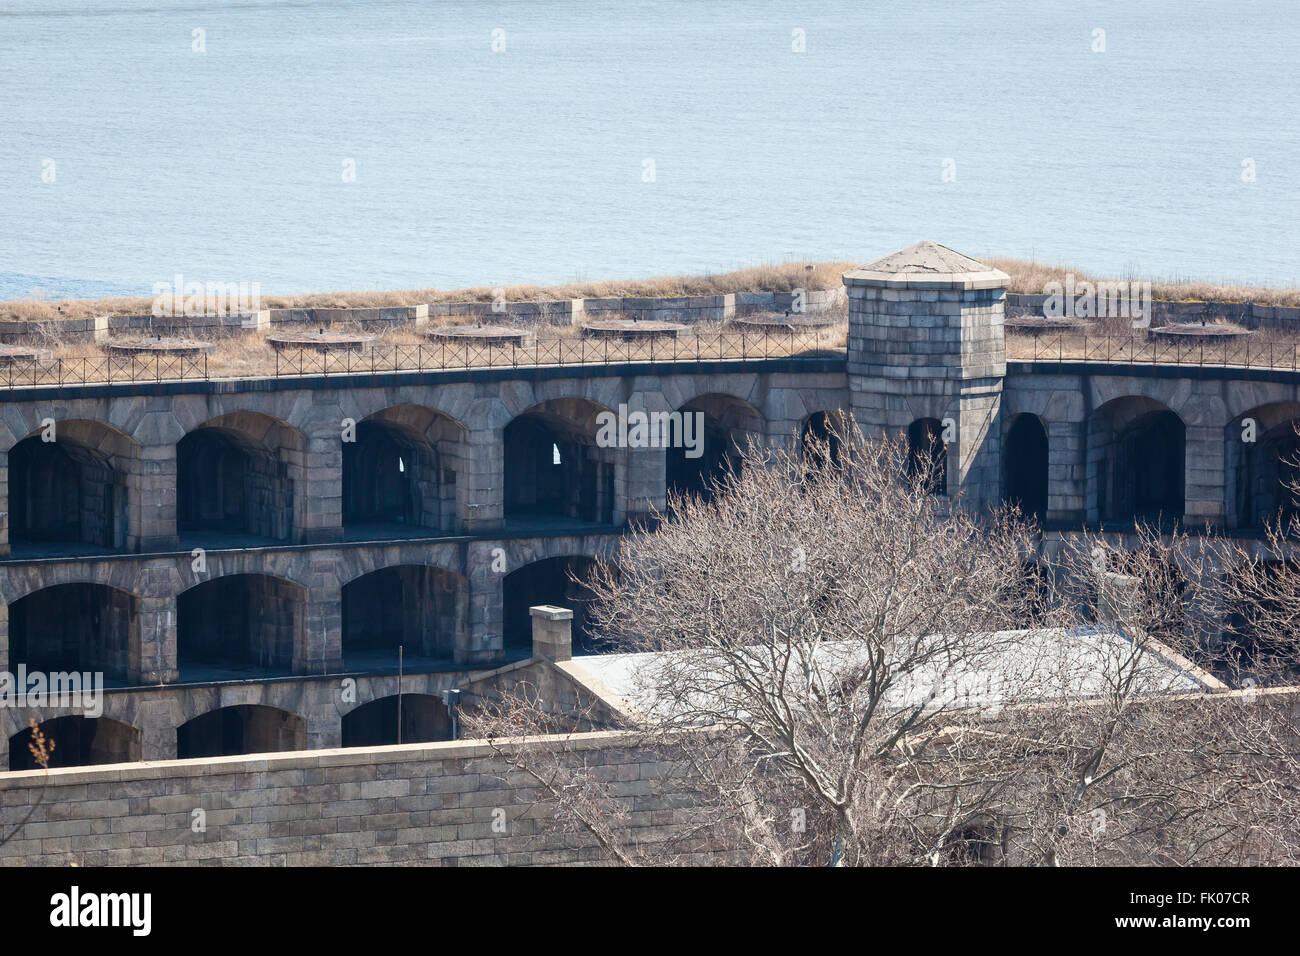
1025, 467
1267, 471
74, 627
821, 440
420, 608
1143, 476
243, 622
226, 483
79, 741
65, 491
553, 469
925, 443
390, 477
423, 719
240, 729
548, 582
1251, 642
728, 424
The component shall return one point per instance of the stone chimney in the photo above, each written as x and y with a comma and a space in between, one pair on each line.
552, 632
926, 342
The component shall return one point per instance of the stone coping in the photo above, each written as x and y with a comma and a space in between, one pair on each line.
447, 750
927, 281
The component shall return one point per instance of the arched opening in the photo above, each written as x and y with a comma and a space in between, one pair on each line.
1136, 463
549, 581
1262, 457
927, 454
235, 475
821, 440
423, 719
237, 626
722, 426
399, 475
240, 729
1024, 467
79, 741
69, 494
420, 609
74, 627
1259, 641
554, 468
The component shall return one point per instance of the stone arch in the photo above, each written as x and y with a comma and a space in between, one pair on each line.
1025, 466
240, 474
240, 729
402, 470
423, 718
553, 466
1136, 461
239, 625
548, 580
925, 442
417, 606
823, 430
75, 489
75, 627
79, 741
1262, 464
729, 425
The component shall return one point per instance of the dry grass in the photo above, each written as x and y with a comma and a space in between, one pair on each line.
1026, 277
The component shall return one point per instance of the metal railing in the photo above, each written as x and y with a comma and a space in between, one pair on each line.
807, 344
1136, 348
1139, 348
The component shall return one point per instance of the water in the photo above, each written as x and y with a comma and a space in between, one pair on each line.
476, 167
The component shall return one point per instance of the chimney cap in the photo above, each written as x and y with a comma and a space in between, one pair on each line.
550, 612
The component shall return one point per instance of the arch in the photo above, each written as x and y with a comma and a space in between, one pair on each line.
239, 625
729, 424
402, 470
927, 453
78, 627
73, 488
1024, 467
419, 607
821, 438
1136, 462
79, 741
423, 719
237, 474
548, 581
1262, 466
240, 729
553, 467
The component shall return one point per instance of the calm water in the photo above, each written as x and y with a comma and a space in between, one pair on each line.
482, 167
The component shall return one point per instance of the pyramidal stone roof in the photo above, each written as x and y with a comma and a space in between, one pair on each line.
927, 265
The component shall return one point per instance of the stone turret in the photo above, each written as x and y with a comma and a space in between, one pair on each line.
926, 343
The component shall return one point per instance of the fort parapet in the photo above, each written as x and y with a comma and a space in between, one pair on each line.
245, 559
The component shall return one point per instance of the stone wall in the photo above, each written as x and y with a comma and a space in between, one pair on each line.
450, 804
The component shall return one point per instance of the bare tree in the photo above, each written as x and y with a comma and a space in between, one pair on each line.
855, 671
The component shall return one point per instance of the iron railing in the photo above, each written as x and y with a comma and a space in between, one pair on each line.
1137, 348
805, 344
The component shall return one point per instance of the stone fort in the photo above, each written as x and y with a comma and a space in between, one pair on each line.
230, 553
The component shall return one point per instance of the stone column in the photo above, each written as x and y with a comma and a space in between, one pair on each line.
1204, 478
153, 654
926, 341
4, 506
481, 644
153, 505
318, 644
1067, 473
318, 504
483, 467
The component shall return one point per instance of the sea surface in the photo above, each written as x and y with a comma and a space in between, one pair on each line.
312, 146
